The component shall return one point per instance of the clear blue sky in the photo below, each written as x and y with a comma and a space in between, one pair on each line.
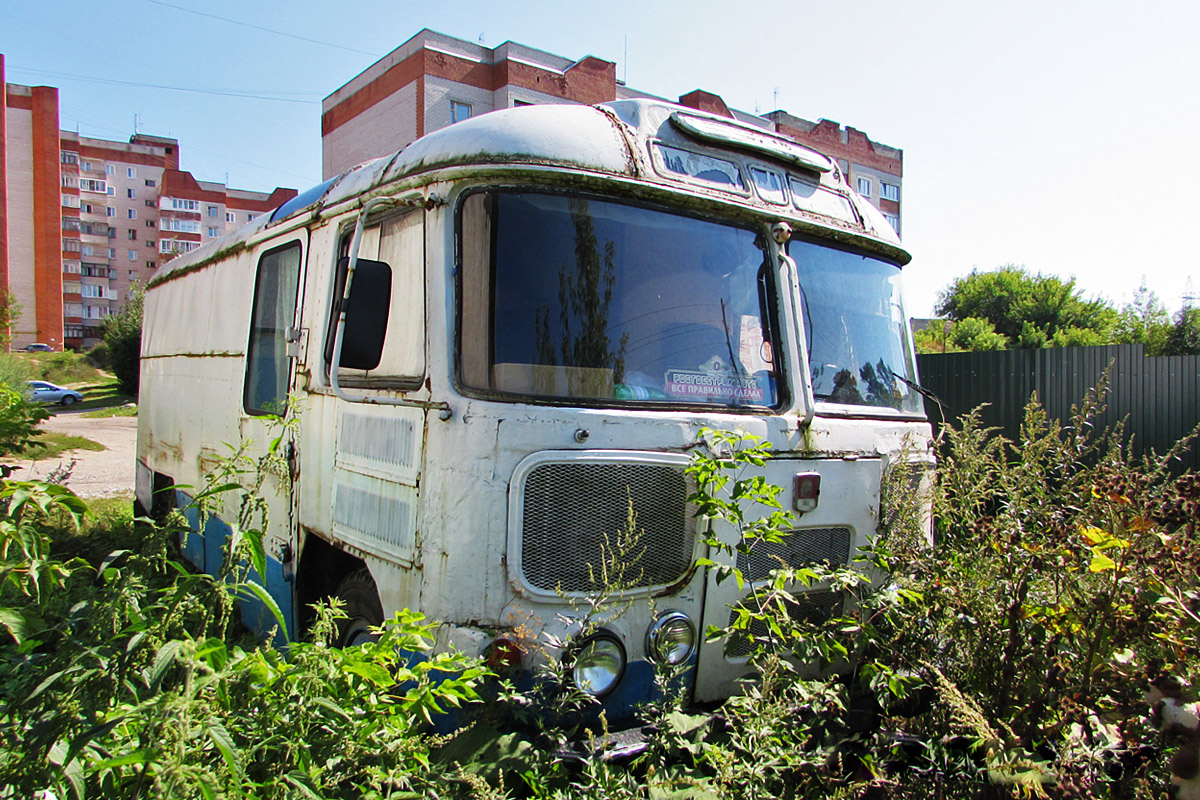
1061, 136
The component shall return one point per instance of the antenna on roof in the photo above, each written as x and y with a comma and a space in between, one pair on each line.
1189, 294
135, 124
625, 62
481, 37
776, 99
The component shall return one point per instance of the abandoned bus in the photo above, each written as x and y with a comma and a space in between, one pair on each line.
501, 343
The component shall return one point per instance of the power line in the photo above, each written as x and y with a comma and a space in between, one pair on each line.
91, 123
192, 90
261, 28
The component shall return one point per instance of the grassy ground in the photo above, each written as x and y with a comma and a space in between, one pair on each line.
126, 410
99, 388
102, 393
65, 369
52, 445
108, 527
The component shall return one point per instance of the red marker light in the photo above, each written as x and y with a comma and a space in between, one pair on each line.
808, 491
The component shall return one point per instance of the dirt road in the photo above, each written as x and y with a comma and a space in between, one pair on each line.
95, 474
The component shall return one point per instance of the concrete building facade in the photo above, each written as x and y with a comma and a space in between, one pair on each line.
83, 221
434, 80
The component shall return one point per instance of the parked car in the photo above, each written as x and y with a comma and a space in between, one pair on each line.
46, 392
37, 347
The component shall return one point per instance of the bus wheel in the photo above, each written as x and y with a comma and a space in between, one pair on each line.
360, 601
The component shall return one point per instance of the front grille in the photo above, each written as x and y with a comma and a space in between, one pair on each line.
577, 536
811, 609
829, 546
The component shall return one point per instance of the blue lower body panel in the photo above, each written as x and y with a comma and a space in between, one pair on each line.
205, 549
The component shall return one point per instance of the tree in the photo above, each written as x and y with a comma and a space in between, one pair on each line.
10, 311
123, 335
1144, 321
1028, 310
1184, 337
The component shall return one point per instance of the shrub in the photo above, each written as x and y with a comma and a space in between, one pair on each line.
123, 336
98, 356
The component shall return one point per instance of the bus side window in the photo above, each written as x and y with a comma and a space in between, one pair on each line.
268, 367
397, 312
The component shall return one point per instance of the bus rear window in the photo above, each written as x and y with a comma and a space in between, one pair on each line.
575, 298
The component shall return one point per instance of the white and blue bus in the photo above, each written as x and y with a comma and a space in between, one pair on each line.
501, 342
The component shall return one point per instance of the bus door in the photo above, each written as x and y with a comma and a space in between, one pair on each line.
275, 345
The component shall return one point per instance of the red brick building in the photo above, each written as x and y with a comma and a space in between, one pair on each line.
83, 220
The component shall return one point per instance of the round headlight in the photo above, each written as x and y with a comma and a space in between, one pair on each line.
598, 664
671, 638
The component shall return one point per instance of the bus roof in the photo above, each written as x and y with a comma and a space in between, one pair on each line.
648, 140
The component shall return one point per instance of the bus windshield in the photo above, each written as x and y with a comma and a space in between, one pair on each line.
855, 326
568, 297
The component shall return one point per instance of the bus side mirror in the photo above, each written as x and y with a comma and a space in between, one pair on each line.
366, 313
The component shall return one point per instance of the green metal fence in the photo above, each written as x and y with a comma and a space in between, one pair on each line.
1160, 396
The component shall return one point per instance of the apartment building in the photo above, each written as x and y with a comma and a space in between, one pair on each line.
83, 220
434, 80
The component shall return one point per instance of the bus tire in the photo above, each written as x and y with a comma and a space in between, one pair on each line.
360, 602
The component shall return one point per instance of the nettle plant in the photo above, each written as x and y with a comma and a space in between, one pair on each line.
730, 491
134, 679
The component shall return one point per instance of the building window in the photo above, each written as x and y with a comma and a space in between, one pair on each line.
212, 211
69, 182
92, 185
72, 245
112, 191
132, 213
130, 193
459, 111
151, 182
87, 166
181, 225
72, 267
110, 212
133, 256
229, 216
185, 205
249, 217
889, 191
864, 187
150, 223
67, 157
109, 169
150, 265
112, 252
894, 221
70, 201
212, 233
149, 204
131, 172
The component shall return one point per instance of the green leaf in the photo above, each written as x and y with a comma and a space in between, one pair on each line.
267, 600
1101, 562
82, 740
224, 743
143, 756
304, 783
162, 662
21, 623
372, 672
